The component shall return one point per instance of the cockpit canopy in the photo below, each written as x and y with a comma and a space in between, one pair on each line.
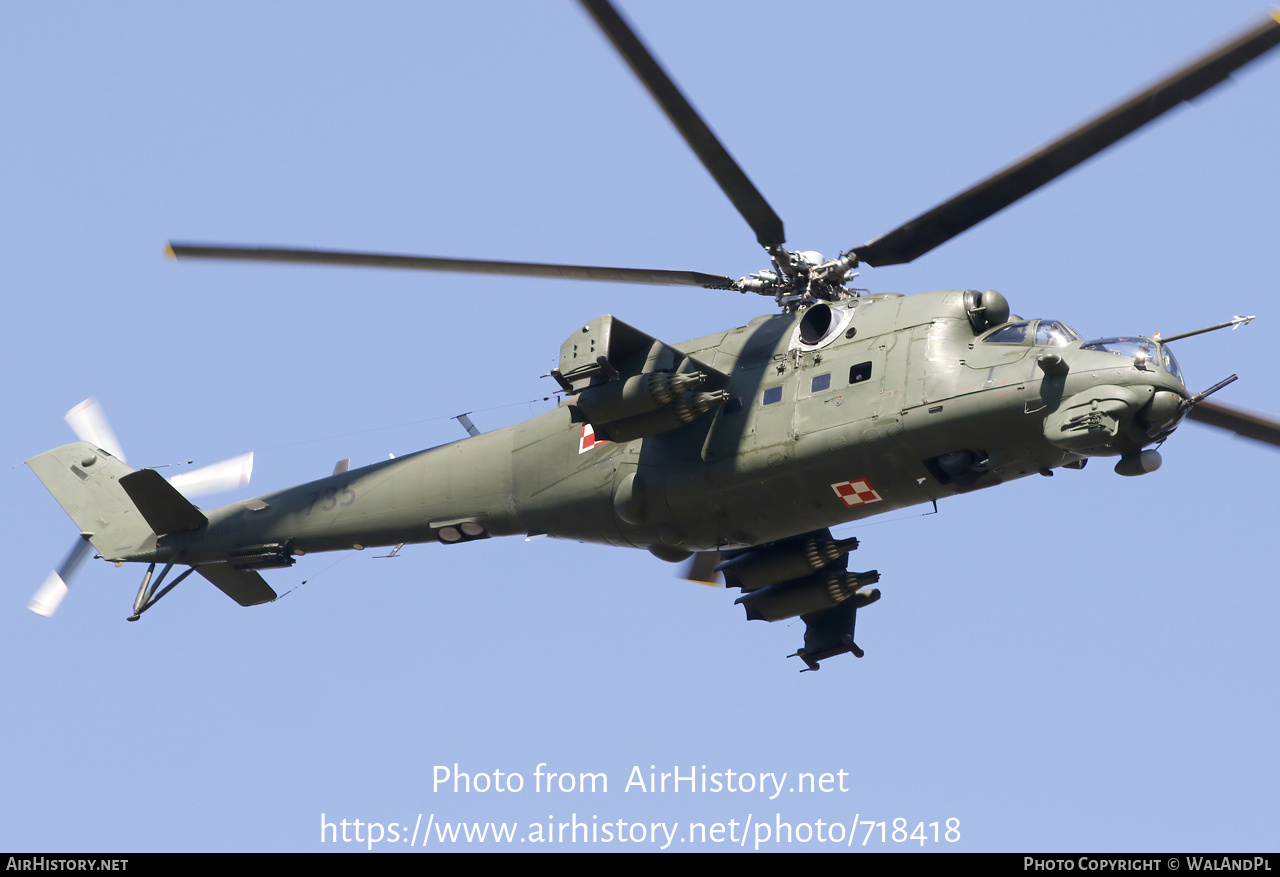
1041, 333
1138, 349
1052, 333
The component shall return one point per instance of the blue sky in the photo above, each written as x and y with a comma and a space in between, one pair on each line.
1082, 662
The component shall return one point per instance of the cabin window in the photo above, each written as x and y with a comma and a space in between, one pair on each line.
860, 373
773, 394
820, 383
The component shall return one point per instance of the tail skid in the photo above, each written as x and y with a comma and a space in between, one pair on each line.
246, 587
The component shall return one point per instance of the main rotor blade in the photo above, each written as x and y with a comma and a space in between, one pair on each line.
993, 194
655, 277
1243, 423
717, 160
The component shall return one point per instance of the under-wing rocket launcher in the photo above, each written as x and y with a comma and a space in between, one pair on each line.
806, 576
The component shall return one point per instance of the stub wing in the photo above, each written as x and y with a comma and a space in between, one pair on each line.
829, 633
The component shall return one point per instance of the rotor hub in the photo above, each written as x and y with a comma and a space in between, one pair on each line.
802, 278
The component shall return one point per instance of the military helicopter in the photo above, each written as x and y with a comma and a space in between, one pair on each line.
741, 449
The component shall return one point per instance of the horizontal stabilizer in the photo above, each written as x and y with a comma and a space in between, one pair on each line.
244, 586
164, 508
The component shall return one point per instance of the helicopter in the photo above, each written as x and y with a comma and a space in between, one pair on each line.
744, 447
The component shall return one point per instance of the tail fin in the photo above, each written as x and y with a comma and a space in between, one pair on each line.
118, 509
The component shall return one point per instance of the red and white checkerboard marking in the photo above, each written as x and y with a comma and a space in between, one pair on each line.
854, 493
589, 440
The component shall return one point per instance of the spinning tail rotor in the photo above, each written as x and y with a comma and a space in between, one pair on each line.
90, 424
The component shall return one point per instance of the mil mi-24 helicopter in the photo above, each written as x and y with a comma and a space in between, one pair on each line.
751, 443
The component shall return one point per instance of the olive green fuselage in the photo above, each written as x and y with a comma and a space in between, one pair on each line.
813, 436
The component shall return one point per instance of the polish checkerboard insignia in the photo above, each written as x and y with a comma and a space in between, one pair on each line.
854, 493
589, 440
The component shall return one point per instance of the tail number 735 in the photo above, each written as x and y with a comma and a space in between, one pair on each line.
330, 498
